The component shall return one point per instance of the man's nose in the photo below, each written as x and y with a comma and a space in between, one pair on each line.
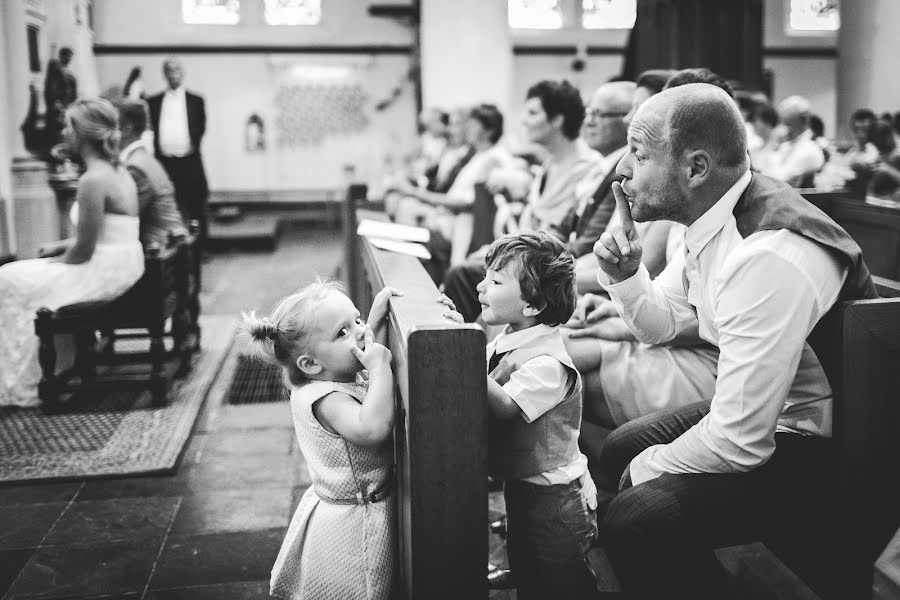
623, 168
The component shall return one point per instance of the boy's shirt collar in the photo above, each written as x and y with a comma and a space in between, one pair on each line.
510, 340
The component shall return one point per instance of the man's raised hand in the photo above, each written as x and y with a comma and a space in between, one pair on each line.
619, 249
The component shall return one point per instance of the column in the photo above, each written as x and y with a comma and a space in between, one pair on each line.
868, 45
466, 53
32, 215
7, 135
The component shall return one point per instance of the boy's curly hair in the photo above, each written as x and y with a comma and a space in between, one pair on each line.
546, 272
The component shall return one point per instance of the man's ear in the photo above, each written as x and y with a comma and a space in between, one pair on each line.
308, 365
698, 166
530, 311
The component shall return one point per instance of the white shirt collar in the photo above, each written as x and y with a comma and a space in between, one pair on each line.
711, 222
510, 340
179, 91
129, 149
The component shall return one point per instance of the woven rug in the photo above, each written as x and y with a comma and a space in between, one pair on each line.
255, 381
117, 434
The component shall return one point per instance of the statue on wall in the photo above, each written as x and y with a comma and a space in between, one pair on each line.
60, 90
255, 134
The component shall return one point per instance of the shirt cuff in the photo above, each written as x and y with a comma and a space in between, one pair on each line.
642, 468
631, 288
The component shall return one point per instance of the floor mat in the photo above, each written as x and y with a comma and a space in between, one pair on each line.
255, 381
117, 434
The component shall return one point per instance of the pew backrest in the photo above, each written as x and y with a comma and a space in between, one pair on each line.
440, 434
875, 228
858, 344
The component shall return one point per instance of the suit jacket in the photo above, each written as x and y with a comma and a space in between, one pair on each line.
159, 215
592, 222
196, 118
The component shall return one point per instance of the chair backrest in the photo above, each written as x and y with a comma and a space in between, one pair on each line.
483, 212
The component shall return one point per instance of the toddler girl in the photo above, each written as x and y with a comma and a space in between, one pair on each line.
341, 542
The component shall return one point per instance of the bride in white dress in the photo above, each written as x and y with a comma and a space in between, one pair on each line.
102, 261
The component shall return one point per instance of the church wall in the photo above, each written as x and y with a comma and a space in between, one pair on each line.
238, 78
237, 86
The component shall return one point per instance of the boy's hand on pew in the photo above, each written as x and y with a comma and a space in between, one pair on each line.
451, 314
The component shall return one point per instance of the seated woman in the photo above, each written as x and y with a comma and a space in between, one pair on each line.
450, 216
625, 379
102, 261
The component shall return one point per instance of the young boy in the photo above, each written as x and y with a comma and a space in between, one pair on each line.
534, 397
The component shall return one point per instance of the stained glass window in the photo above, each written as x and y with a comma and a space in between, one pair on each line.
535, 14
608, 14
814, 15
211, 12
293, 12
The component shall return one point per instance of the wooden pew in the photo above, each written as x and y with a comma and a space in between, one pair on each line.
858, 344
875, 228
441, 431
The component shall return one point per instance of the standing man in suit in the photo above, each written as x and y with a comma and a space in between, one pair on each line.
158, 212
178, 118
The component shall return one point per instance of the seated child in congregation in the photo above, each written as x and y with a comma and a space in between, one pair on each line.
534, 398
341, 541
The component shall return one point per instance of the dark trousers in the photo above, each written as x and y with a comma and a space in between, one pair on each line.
660, 534
550, 528
191, 188
459, 285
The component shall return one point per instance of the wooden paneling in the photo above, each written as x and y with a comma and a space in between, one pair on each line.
875, 228
441, 431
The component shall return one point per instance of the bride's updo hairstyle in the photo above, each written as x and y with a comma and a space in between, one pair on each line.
281, 338
96, 122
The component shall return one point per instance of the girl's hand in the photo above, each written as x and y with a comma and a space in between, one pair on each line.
380, 305
373, 356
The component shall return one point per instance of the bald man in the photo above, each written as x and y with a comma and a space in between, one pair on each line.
798, 157
178, 118
761, 267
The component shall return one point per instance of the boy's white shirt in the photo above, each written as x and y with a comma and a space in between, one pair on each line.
536, 387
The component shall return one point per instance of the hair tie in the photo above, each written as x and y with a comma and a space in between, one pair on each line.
269, 328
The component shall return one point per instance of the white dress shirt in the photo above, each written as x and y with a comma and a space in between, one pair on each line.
174, 136
756, 299
536, 387
796, 158
128, 150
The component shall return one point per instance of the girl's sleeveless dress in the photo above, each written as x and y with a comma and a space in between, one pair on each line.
340, 543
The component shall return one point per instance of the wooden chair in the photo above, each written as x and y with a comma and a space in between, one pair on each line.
162, 293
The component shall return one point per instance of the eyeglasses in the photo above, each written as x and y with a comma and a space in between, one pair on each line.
598, 114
